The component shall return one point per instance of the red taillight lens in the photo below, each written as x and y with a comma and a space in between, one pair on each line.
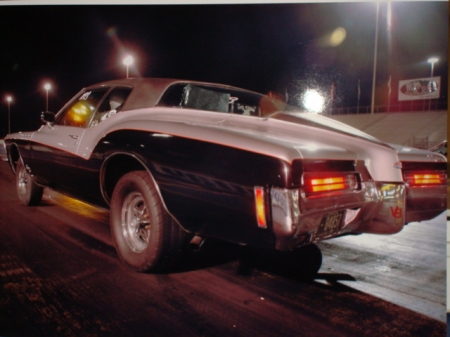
425, 178
329, 182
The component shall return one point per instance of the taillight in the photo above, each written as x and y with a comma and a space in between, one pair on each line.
416, 179
260, 207
316, 183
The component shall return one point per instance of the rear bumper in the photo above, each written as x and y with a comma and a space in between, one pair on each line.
377, 208
424, 203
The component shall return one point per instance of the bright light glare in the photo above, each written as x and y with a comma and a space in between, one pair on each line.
313, 101
47, 86
9, 98
433, 60
128, 60
338, 36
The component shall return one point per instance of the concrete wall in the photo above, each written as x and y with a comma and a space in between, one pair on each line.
417, 129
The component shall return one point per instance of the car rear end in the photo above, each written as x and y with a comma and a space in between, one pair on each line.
335, 198
426, 195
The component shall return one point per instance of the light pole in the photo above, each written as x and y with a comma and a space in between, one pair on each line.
374, 79
432, 60
9, 100
127, 61
47, 87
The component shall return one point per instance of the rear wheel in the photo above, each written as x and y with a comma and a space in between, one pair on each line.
29, 193
145, 236
309, 260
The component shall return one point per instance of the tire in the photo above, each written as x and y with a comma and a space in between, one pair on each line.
29, 193
309, 260
144, 234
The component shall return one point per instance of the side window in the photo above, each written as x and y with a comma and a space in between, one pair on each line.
81, 109
112, 104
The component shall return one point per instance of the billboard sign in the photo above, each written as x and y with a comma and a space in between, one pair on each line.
420, 88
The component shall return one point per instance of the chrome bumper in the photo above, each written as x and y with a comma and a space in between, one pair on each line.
377, 208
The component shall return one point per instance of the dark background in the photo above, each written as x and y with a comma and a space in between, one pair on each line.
264, 47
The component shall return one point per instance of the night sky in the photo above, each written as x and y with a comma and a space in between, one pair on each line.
279, 47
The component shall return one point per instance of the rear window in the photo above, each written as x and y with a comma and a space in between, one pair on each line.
219, 99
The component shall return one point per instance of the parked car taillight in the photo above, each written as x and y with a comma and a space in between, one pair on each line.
422, 179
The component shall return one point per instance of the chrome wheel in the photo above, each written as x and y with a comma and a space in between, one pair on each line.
29, 193
136, 222
23, 182
145, 236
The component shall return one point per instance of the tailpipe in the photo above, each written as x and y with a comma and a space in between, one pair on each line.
196, 243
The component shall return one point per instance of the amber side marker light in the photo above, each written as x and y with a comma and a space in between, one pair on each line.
425, 179
260, 207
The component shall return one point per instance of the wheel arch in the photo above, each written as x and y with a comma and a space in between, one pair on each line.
116, 166
14, 156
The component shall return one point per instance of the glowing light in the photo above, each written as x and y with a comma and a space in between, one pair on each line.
47, 87
425, 178
260, 208
338, 36
128, 60
433, 60
313, 101
340, 182
80, 112
327, 184
9, 100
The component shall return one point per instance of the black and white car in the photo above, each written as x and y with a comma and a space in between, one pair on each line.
177, 160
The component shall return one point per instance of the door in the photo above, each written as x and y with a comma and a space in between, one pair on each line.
54, 147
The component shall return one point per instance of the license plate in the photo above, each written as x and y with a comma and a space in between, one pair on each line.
330, 224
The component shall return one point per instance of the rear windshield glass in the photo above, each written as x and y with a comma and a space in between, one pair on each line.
220, 100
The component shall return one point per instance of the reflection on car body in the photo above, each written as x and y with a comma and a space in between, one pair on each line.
179, 160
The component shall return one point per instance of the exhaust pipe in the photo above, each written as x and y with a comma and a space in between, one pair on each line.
196, 243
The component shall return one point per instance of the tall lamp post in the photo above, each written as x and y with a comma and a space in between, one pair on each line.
432, 60
47, 87
374, 78
9, 100
128, 61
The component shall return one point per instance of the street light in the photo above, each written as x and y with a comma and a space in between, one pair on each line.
127, 61
432, 60
375, 52
9, 100
47, 87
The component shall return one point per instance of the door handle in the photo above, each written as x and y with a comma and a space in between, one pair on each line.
74, 136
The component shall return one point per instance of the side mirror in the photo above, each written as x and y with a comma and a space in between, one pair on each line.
48, 117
